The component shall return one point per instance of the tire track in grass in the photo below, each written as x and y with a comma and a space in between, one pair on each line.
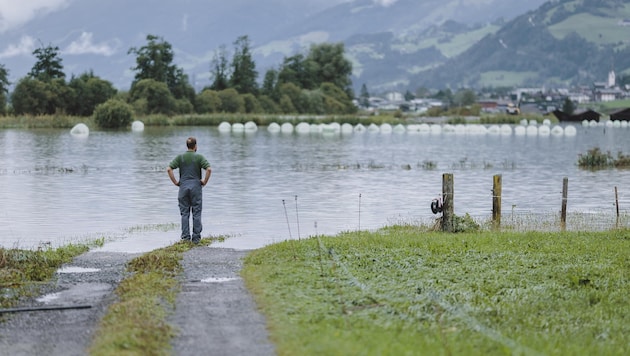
436, 298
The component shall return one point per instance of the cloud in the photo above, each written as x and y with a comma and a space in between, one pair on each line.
385, 3
85, 45
185, 23
26, 47
15, 13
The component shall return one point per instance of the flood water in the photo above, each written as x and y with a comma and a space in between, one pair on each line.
268, 187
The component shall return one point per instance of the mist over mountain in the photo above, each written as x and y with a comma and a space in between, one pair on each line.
97, 36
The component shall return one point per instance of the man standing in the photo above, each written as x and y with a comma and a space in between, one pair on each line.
190, 183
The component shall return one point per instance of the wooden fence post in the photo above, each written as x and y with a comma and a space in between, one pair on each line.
563, 212
617, 205
496, 201
447, 203
617, 202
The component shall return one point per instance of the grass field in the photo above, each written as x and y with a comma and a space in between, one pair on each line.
403, 290
597, 29
505, 79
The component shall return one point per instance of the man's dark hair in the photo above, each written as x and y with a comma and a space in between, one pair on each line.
191, 142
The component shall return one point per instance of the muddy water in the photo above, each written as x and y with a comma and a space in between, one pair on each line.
268, 187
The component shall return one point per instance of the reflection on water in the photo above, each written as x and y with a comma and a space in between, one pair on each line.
268, 187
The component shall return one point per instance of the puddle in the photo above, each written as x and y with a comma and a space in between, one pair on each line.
217, 280
78, 294
49, 298
74, 269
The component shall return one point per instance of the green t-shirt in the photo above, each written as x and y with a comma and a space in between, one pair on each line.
190, 165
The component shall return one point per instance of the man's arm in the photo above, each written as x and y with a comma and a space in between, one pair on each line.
207, 177
171, 175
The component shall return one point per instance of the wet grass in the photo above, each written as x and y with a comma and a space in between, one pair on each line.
22, 272
43, 122
596, 159
404, 290
136, 323
154, 227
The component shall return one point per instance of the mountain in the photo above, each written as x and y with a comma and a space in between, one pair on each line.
561, 43
389, 41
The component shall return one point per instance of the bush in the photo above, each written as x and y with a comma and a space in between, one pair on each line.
113, 114
595, 159
465, 224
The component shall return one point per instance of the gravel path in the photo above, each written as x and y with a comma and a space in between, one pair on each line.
214, 313
65, 332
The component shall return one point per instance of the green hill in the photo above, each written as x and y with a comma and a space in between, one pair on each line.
564, 42
571, 42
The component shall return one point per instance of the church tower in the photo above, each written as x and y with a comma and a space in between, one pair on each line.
611, 79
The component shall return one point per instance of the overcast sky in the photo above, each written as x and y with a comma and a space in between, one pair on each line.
16, 13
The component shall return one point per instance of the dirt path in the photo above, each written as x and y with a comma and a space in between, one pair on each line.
214, 312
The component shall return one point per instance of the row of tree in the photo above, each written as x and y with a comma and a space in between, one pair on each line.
317, 82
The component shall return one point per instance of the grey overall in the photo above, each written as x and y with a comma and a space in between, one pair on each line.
190, 194
190, 199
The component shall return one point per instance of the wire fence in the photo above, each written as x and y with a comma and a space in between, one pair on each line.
543, 213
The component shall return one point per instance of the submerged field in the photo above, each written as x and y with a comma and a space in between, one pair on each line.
402, 291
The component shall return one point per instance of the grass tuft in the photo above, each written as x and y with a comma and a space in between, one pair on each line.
595, 159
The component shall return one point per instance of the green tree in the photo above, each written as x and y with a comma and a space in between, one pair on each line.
155, 61
270, 85
328, 65
4, 88
298, 99
48, 65
208, 101
445, 96
568, 106
113, 114
88, 92
286, 105
29, 97
231, 101
149, 96
364, 97
183, 106
244, 75
336, 100
294, 70
251, 105
464, 97
181, 88
316, 102
219, 71
36, 97
269, 105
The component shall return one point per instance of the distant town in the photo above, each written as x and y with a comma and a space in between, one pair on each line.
535, 101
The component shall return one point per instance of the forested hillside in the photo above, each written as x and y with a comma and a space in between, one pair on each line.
566, 42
